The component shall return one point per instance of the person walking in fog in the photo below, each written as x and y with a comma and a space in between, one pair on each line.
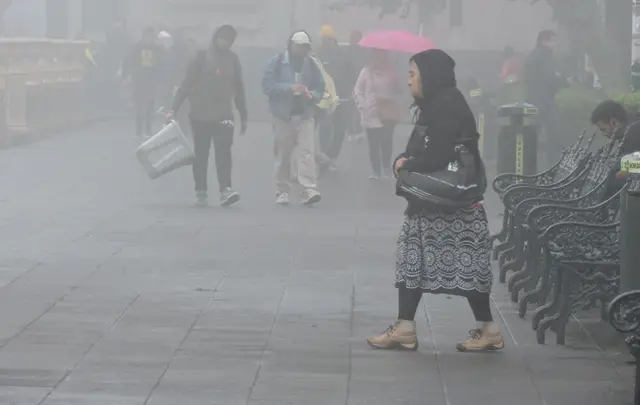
212, 83
143, 65
294, 85
333, 127
376, 92
441, 250
541, 83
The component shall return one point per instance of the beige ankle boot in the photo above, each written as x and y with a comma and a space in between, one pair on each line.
487, 338
402, 336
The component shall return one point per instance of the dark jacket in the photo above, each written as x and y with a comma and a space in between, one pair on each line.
337, 65
212, 83
144, 64
443, 118
631, 142
541, 82
630, 137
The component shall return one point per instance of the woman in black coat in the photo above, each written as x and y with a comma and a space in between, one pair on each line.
441, 250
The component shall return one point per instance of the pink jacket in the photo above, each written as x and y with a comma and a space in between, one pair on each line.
370, 87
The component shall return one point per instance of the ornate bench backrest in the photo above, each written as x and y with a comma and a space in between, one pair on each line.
572, 157
605, 160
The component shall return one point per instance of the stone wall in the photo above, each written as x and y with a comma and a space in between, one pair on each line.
41, 87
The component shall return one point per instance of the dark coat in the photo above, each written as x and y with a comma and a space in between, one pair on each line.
144, 64
337, 65
541, 82
443, 116
630, 137
631, 141
213, 83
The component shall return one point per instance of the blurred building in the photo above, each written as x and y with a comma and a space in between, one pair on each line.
259, 22
465, 25
486, 25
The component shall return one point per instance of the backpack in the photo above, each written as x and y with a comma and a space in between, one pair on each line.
330, 100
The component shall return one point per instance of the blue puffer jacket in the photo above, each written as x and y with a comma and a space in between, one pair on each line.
278, 79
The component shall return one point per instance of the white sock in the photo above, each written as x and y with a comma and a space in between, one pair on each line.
491, 328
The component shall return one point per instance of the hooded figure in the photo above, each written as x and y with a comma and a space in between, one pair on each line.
440, 251
212, 83
442, 110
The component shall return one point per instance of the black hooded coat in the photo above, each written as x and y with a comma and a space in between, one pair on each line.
443, 117
213, 82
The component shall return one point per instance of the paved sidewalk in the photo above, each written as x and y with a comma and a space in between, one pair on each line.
114, 291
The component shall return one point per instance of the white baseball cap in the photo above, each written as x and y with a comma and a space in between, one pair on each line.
301, 38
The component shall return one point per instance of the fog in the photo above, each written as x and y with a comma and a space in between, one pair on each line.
210, 201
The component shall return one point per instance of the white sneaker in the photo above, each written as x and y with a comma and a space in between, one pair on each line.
228, 197
282, 198
311, 197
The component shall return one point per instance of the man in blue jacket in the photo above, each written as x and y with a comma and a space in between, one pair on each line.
294, 84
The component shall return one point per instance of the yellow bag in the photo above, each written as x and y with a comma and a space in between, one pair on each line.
330, 100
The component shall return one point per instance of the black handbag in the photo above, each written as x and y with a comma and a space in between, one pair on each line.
462, 183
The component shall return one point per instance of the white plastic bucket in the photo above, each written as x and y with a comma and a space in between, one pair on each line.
166, 151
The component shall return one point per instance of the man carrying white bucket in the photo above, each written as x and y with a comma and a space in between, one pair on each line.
212, 83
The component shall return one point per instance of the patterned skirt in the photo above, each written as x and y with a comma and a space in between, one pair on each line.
445, 253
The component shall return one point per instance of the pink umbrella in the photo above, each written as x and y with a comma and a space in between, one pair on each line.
399, 41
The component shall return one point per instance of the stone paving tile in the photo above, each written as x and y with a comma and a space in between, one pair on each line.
115, 291
22, 395
29, 378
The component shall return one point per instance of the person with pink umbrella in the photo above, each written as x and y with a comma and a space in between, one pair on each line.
377, 90
376, 96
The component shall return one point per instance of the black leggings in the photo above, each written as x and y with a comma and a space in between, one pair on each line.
409, 299
381, 147
204, 133
144, 106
